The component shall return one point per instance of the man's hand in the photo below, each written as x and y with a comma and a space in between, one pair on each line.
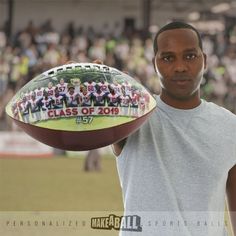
98, 61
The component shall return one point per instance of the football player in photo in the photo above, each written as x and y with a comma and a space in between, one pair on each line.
62, 87
127, 88
34, 106
117, 88
90, 85
124, 103
39, 93
24, 109
72, 98
15, 110
50, 90
57, 100
46, 102
99, 97
134, 103
113, 98
142, 104
104, 86
85, 97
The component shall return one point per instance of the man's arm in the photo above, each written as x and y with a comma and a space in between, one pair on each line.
117, 147
231, 196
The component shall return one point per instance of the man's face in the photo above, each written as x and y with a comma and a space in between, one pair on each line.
180, 63
71, 90
50, 85
57, 93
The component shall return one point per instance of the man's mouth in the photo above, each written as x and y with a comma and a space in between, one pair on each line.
181, 80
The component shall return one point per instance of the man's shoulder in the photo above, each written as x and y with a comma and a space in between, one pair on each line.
213, 107
219, 112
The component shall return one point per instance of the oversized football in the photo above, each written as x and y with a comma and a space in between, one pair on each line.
81, 106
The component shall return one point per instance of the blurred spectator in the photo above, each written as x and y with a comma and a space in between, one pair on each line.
93, 161
4, 72
3, 39
97, 50
47, 26
31, 29
51, 56
208, 45
70, 30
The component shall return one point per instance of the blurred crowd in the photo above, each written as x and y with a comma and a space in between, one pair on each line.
36, 49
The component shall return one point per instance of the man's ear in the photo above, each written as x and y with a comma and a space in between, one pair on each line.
205, 60
154, 63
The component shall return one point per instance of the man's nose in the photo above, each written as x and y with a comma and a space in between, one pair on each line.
180, 66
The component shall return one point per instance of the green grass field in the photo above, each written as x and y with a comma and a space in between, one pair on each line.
57, 186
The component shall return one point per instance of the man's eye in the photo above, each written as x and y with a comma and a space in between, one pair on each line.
190, 56
168, 58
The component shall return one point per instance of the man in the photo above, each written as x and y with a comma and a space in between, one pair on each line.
50, 90
85, 97
34, 106
113, 98
24, 108
99, 97
124, 103
91, 86
179, 164
46, 102
72, 98
57, 100
62, 87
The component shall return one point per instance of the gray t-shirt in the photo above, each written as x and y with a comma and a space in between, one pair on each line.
175, 168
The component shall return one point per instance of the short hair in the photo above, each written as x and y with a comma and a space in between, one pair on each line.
175, 25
